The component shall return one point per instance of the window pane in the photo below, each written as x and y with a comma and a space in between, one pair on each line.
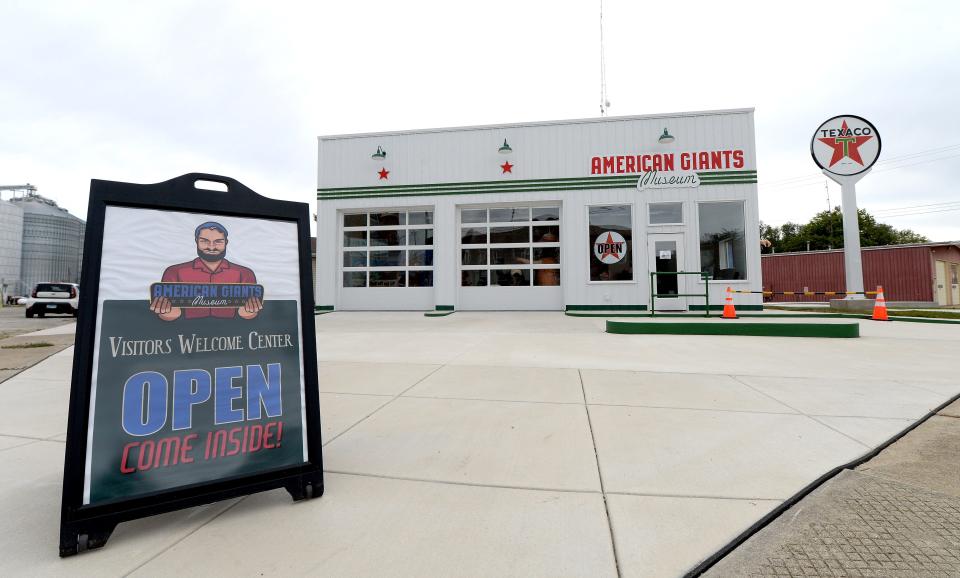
420, 258
355, 279
420, 237
356, 220
354, 238
723, 253
517, 256
546, 234
510, 277
421, 278
663, 213
509, 234
384, 238
472, 236
665, 253
473, 278
610, 258
509, 215
387, 219
546, 277
473, 257
546, 255
473, 216
420, 218
386, 259
354, 258
388, 278
546, 214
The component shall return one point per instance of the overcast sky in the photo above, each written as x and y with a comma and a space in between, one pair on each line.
142, 92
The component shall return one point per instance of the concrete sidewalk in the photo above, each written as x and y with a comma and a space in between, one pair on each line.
898, 515
508, 444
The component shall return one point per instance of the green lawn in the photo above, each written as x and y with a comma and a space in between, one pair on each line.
945, 314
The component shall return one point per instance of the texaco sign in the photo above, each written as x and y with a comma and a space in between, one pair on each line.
845, 145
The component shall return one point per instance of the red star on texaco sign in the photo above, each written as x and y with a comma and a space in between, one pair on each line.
611, 251
506, 168
845, 145
383, 174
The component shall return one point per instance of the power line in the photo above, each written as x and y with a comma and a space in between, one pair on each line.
885, 169
897, 209
779, 183
921, 213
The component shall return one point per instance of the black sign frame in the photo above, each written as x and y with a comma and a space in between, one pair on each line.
95, 522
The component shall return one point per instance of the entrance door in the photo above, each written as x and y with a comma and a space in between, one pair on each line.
941, 282
665, 253
955, 284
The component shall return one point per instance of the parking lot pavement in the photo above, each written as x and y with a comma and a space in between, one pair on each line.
24, 342
509, 444
13, 322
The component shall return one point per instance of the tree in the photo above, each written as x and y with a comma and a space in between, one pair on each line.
825, 231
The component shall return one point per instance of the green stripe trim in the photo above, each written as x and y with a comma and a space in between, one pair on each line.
626, 177
323, 307
523, 185
720, 327
444, 308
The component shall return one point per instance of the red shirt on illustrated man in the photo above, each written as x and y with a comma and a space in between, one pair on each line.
210, 266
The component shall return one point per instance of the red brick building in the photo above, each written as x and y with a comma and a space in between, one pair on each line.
927, 272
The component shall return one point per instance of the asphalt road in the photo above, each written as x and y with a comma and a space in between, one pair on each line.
17, 351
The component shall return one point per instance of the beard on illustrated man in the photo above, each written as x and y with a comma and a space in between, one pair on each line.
210, 266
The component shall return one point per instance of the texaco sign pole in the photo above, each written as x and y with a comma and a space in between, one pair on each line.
845, 147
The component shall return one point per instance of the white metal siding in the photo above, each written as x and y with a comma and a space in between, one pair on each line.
540, 151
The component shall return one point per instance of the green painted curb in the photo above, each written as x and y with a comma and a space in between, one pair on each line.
438, 313
606, 308
721, 328
720, 307
922, 319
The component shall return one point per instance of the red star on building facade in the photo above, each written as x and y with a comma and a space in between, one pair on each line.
507, 168
610, 249
845, 145
383, 174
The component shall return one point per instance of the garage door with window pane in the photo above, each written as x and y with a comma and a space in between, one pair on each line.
387, 260
510, 257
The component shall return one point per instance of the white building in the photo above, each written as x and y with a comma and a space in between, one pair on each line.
548, 215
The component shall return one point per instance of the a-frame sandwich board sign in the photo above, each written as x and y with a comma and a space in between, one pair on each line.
194, 373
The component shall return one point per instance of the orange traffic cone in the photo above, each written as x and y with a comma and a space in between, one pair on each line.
880, 306
729, 312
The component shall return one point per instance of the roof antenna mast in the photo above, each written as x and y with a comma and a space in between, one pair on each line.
604, 103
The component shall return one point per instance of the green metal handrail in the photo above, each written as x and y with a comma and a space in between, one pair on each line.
653, 296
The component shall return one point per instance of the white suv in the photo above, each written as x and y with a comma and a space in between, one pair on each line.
52, 298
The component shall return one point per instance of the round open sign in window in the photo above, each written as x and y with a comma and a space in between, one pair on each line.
610, 247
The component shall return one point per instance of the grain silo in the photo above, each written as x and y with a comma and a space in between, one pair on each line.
52, 242
11, 234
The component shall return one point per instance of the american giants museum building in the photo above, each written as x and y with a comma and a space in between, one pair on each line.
562, 215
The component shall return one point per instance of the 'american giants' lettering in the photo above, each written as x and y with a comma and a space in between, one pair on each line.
666, 162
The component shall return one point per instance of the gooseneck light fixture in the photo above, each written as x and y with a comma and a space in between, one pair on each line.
505, 149
379, 155
666, 137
